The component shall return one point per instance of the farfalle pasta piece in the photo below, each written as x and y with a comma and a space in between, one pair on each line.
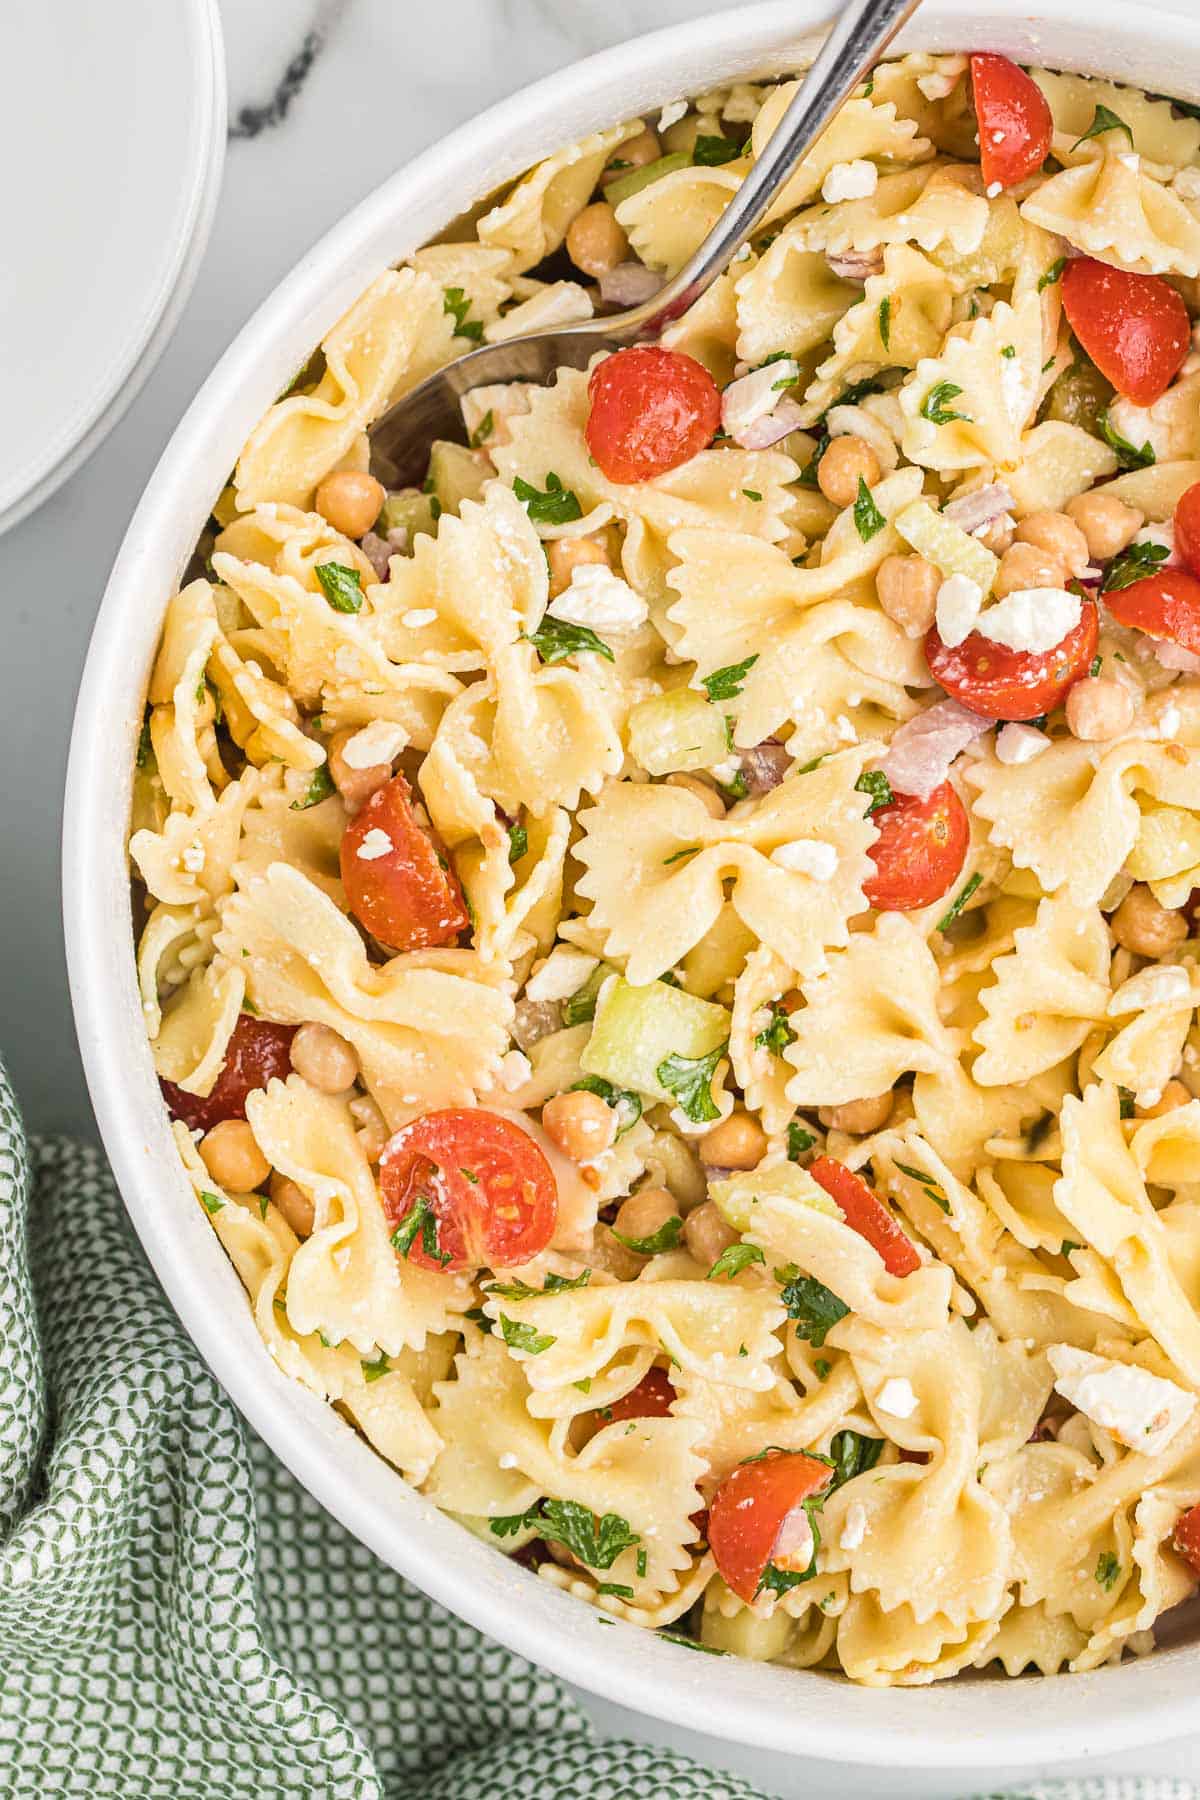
482, 273
860, 131
1155, 130
1058, 462
900, 321
799, 1632
180, 717
968, 406
428, 1027
930, 206
740, 1422
395, 333
175, 941
657, 863
532, 219
894, 1649
190, 1044
190, 861
754, 1049
1112, 208
1047, 994
666, 221
790, 299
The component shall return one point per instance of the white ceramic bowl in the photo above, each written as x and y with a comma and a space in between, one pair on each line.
979, 1724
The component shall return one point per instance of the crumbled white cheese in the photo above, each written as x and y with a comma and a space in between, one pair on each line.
1186, 183
936, 85
671, 114
193, 857
993, 189
855, 180
807, 856
562, 974
855, 1528
1033, 619
1017, 743
1142, 1411
727, 772
1162, 533
377, 843
600, 600
845, 729
379, 742
1140, 425
1163, 984
1014, 389
896, 1396
751, 397
417, 616
958, 602
514, 1071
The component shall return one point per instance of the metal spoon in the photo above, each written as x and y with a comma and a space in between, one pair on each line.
400, 440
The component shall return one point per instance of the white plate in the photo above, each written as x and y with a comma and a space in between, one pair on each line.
111, 137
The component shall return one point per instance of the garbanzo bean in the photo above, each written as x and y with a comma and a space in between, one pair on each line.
738, 1142
580, 1124
907, 587
350, 501
845, 462
232, 1157
324, 1059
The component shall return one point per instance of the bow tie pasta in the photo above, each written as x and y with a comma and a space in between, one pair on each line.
671, 948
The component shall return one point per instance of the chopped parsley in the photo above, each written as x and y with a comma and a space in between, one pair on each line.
212, 1203
822, 1368
726, 684
478, 1317
853, 1454
813, 1308
778, 1034
1096, 666
518, 842
555, 1284
483, 430
689, 1078
556, 505
1125, 1102
798, 1141
752, 493
1128, 456
320, 787
518, 1334
688, 1643
964, 894
928, 1185
868, 520
1104, 120
145, 748
596, 1542
615, 1587
711, 152
1132, 564
554, 639
875, 783
1009, 350
1053, 273
731, 1262
373, 1370
934, 406
641, 1565
665, 1238
775, 1580
423, 1220
580, 1007
885, 321
688, 850
625, 1103
1108, 1567
341, 586
456, 304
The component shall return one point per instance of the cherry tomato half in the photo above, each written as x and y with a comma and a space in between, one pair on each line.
865, 1213
397, 878
1012, 684
650, 1399
1015, 122
258, 1052
485, 1192
1135, 328
1187, 527
1186, 1538
651, 409
1165, 605
753, 1512
921, 847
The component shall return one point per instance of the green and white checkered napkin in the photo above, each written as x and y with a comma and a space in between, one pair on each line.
180, 1621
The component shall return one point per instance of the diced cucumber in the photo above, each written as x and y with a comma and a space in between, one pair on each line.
456, 473
680, 730
637, 1028
738, 1196
945, 544
625, 186
408, 509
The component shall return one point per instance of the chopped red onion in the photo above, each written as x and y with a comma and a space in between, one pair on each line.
919, 756
764, 766
787, 416
535, 1019
629, 284
973, 511
377, 550
855, 265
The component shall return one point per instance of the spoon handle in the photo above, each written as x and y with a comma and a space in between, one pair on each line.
861, 33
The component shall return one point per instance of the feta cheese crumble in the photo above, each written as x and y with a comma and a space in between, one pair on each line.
562, 974
671, 114
1033, 619
1140, 1410
379, 742
1016, 743
377, 843
600, 600
807, 856
417, 616
896, 1396
958, 602
514, 1071
855, 180
855, 1528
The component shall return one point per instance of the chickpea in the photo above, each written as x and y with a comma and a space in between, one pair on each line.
565, 555
634, 153
1106, 522
1173, 1096
350, 501
1098, 708
997, 535
354, 785
1058, 536
846, 461
738, 1142
645, 1212
907, 587
324, 1059
708, 796
372, 1127
581, 1125
858, 1117
595, 242
1140, 924
232, 1157
1025, 566
706, 1234
293, 1203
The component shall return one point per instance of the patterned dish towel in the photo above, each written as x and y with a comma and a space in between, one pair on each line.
180, 1621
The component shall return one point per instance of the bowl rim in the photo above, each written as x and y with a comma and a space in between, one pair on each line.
978, 1723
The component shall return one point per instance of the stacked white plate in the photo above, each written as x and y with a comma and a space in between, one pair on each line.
111, 138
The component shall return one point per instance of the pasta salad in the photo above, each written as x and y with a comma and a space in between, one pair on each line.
670, 949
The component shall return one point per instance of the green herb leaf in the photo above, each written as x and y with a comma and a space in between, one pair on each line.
341, 586
780, 1581
519, 1335
711, 152
145, 748
478, 1317
726, 684
1126, 1103
960, 901
319, 788
1009, 350
798, 1141
373, 1370
555, 1284
554, 640
212, 1203
518, 842
1103, 120
689, 1078
1052, 274
641, 1561
555, 505
875, 783
580, 1008
596, 1542
665, 1238
934, 407
853, 1454
688, 850
868, 520
420, 1219
1108, 1567
752, 493
929, 1186
456, 303
483, 430
1128, 457
615, 1587
687, 1643
512, 1524
625, 1103
885, 321
822, 1368
1096, 666
732, 1261
1132, 564
813, 1308
778, 1034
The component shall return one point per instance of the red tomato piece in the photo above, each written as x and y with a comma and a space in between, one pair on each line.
1012, 684
650, 1399
399, 884
921, 847
1015, 122
865, 1213
651, 409
1187, 527
1135, 328
1165, 605
258, 1052
484, 1190
1186, 1539
756, 1518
